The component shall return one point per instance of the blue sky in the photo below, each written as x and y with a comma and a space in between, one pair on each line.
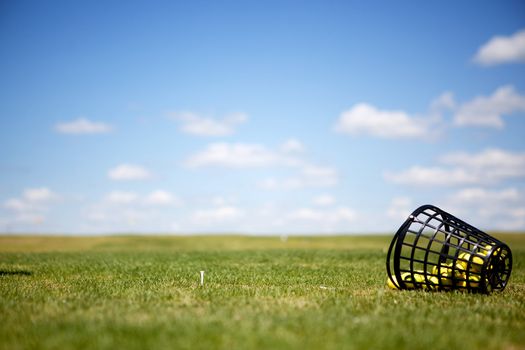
259, 117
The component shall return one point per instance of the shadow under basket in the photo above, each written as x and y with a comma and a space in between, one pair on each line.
433, 250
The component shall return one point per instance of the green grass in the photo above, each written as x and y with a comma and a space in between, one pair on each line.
308, 293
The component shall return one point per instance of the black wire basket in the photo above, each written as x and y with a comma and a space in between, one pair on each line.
433, 250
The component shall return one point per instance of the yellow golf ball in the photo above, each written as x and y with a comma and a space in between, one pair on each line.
434, 282
419, 277
441, 269
446, 279
462, 263
477, 264
391, 282
473, 282
485, 250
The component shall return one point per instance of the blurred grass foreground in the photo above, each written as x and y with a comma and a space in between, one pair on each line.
137, 292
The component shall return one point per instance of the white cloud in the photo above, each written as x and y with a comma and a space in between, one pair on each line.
216, 215
366, 119
270, 183
494, 164
324, 217
502, 49
489, 209
195, 124
115, 218
161, 197
154, 198
16, 204
476, 195
482, 111
32, 199
129, 172
124, 211
319, 176
239, 155
30, 207
324, 200
431, 176
83, 126
445, 101
308, 176
400, 208
41, 194
292, 146
268, 218
96, 214
121, 197
490, 166
30, 218
220, 201
245, 155
488, 111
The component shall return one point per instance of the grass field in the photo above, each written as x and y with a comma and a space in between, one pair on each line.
308, 293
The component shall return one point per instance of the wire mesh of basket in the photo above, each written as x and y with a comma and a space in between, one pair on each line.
434, 250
